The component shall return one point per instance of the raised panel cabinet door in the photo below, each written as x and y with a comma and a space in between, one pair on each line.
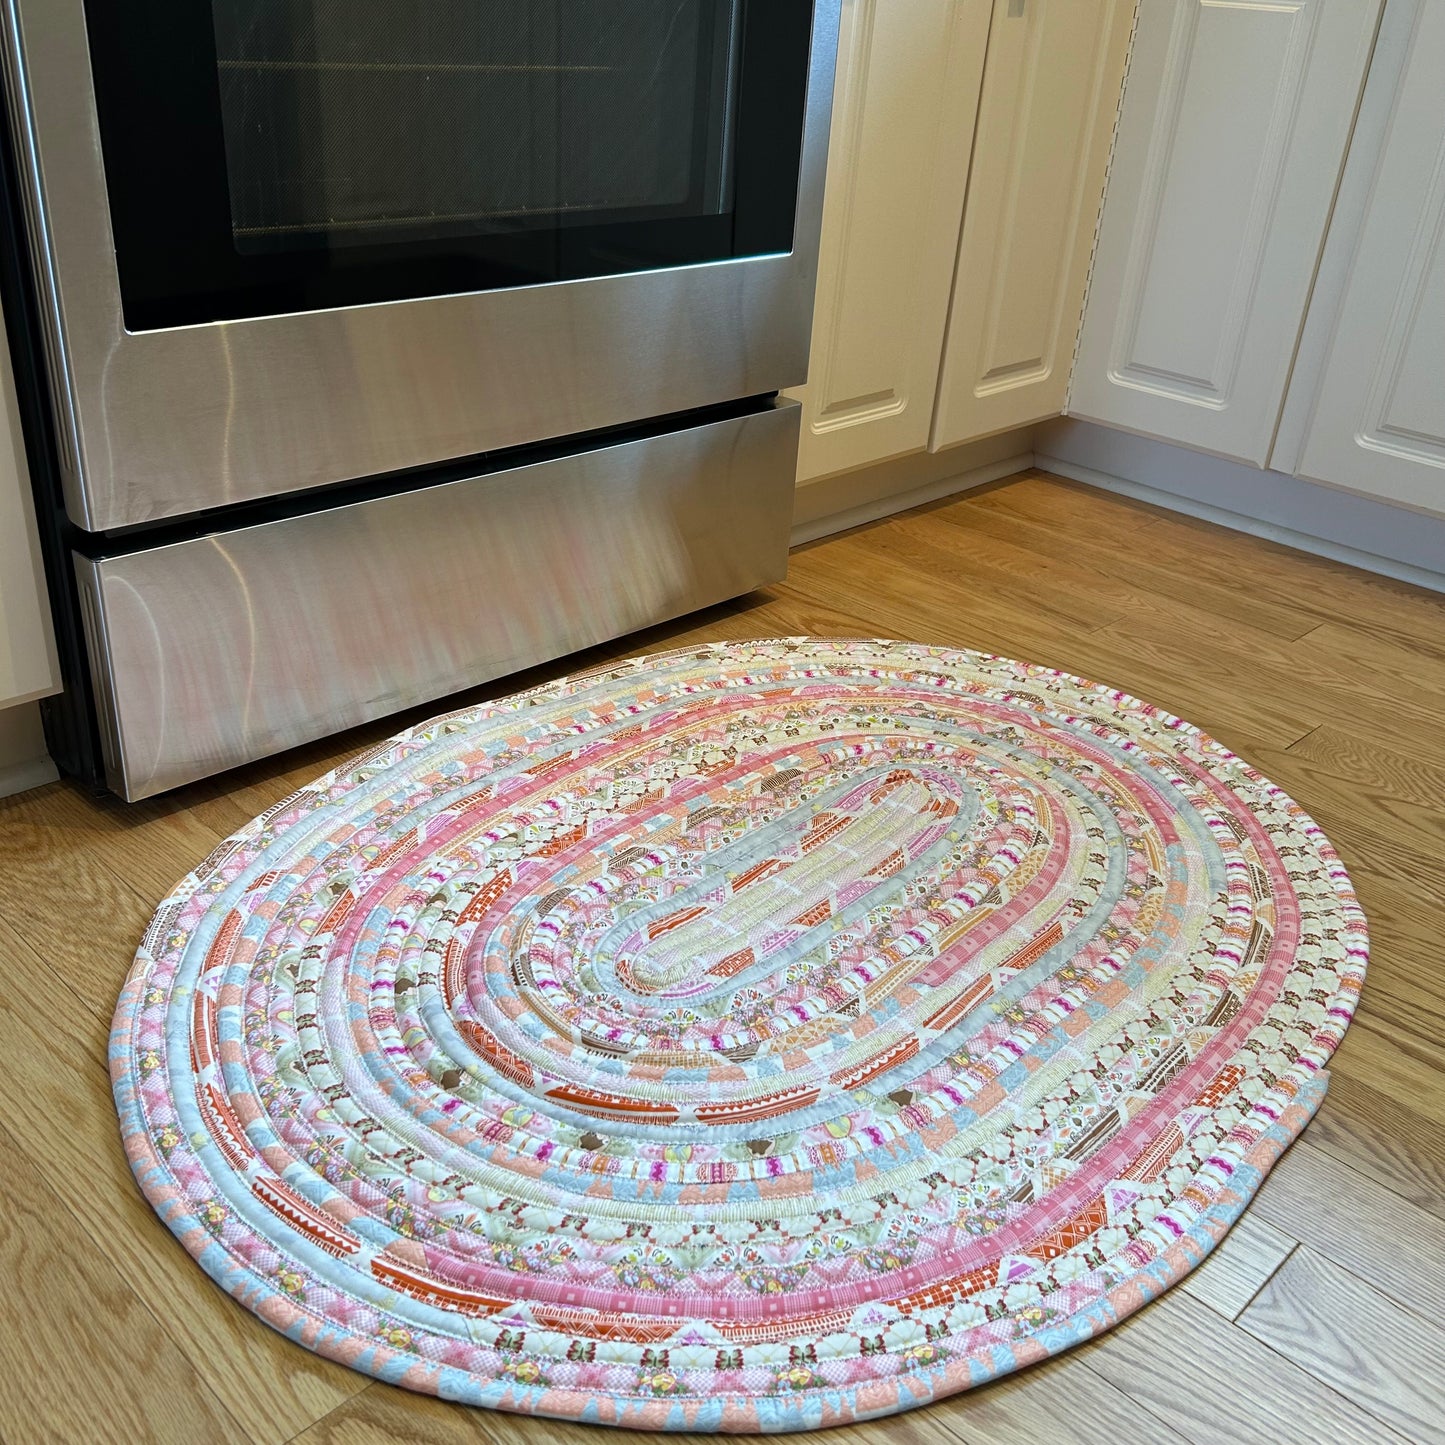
1046, 117
907, 95
1378, 421
1231, 136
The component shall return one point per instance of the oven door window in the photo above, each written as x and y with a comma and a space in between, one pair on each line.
274, 156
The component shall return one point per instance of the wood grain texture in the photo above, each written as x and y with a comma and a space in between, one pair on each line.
383, 1415
1402, 790
1350, 1219
1030, 1407
88, 1360
1381, 1137
56, 1104
1189, 558
1295, 661
1403, 1066
1386, 1359
1213, 1383
1240, 1266
1210, 590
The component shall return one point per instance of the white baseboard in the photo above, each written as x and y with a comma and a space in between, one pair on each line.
850, 499
24, 762
21, 777
1271, 505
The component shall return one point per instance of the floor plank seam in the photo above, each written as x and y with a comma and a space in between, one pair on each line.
124, 1282
1284, 1259
66, 987
1167, 1432
346, 1404
1317, 728
1408, 1307
1105, 626
1319, 1375
1387, 1432
1309, 732
1431, 1207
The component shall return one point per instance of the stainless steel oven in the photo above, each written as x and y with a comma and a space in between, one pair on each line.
290, 257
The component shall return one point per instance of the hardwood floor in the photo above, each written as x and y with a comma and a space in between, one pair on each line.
1321, 1318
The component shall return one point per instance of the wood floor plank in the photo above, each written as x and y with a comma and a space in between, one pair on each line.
83, 1355
1190, 678
1000, 570
1215, 1384
382, 1415
1404, 917
1359, 1225
58, 895
55, 1102
1140, 570
1362, 780
150, 846
1054, 501
1061, 1401
1394, 1065
1290, 675
1367, 601
1404, 1006
915, 604
1195, 549
1389, 1361
1413, 663
1421, 1052
787, 611
1240, 1265
1363, 835
1381, 1137
1330, 679
911, 603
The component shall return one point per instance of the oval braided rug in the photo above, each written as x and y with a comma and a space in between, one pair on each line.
755, 1037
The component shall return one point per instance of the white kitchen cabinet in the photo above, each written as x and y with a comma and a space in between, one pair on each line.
1046, 117
1232, 132
1376, 417
28, 667
907, 93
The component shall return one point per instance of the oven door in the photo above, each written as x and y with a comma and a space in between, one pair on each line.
290, 243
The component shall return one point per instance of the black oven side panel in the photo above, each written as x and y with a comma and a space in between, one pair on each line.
71, 729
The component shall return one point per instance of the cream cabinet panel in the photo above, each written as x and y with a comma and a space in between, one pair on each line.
1378, 420
907, 94
28, 667
1231, 137
1046, 118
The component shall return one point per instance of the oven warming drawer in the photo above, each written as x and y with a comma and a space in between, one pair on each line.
220, 649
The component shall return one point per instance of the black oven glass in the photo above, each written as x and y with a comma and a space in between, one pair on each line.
273, 156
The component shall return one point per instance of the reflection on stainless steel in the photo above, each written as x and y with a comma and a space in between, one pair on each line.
292, 228
406, 67
211, 652
161, 423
